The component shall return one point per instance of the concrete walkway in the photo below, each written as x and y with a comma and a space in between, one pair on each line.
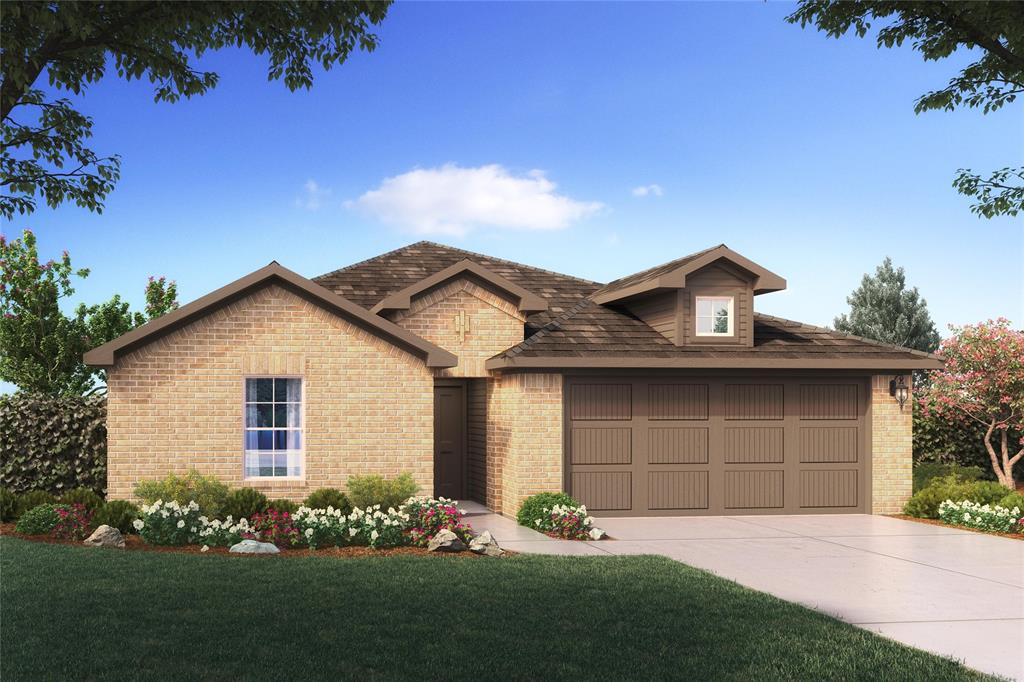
955, 593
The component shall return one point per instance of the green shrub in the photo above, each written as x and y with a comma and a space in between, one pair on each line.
366, 491
33, 499
8, 506
52, 443
940, 439
924, 472
282, 505
40, 520
244, 503
925, 503
1014, 499
117, 514
328, 497
83, 496
532, 509
209, 493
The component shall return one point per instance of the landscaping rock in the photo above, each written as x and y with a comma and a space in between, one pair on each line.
105, 536
445, 541
254, 547
597, 534
485, 544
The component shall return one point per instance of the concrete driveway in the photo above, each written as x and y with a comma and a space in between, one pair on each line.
955, 593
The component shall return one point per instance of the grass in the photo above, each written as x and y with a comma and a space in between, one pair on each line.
80, 613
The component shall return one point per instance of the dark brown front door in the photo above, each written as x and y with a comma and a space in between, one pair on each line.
449, 441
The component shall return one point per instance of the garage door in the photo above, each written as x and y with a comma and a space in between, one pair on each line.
656, 446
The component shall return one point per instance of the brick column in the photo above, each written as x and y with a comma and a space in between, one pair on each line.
891, 448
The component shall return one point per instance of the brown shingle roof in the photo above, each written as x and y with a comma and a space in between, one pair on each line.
368, 282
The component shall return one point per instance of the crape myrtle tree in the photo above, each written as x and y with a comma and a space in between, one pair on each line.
992, 32
70, 45
884, 309
983, 382
40, 346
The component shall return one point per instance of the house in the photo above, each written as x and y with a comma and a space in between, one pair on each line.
661, 393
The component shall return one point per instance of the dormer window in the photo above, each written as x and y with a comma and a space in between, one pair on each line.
714, 316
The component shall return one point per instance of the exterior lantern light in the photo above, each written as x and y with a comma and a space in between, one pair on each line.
898, 389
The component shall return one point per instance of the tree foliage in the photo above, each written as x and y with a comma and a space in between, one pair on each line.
75, 43
983, 382
883, 309
40, 346
994, 30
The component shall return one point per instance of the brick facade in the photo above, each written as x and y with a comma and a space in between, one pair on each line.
524, 438
891, 448
495, 324
176, 403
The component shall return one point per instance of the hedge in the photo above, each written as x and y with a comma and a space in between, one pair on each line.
938, 439
53, 444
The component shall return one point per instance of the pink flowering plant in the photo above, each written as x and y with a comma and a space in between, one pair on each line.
428, 516
72, 522
569, 523
275, 527
983, 382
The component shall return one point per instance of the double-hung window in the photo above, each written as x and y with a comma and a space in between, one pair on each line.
273, 427
714, 316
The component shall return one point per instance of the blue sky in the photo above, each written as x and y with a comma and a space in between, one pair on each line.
800, 152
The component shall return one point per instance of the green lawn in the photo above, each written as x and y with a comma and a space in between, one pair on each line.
79, 613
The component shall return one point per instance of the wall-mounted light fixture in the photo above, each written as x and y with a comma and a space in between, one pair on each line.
898, 389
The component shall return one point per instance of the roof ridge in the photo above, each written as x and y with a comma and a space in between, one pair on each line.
371, 259
510, 262
687, 257
874, 342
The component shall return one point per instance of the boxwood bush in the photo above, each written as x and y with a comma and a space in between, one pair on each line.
1014, 499
244, 503
33, 499
83, 496
924, 472
532, 509
282, 505
8, 506
367, 491
323, 498
40, 520
208, 492
925, 503
117, 514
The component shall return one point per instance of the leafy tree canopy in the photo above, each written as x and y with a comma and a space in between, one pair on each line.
882, 308
40, 347
993, 29
44, 148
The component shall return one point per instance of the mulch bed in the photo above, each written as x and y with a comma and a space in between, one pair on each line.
137, 544
936, 522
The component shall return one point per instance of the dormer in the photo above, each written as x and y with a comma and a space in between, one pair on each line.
703, 299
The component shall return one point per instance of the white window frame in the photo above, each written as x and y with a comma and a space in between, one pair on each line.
730, 300
302, 429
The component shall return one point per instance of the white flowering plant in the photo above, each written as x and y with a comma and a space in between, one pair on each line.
428, 516
321, 527
568, 522
376, 528
169, 523
980, 516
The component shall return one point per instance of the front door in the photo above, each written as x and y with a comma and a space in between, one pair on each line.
449, 441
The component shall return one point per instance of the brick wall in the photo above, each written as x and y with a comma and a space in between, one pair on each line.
524, 438
891, 447
495, 324
176, 403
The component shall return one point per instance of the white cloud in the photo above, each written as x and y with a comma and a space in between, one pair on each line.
313, 196
648, 191
454, 200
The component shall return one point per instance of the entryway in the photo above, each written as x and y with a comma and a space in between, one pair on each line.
449, 439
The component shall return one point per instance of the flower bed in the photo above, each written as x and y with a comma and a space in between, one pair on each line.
569, 523
981, 516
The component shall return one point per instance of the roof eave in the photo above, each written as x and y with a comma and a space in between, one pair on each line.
627, 362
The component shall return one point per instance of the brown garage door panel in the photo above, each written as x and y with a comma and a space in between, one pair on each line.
602, 446
677, 489
829, 444
754, 401
602, 402
678, 401
828, 488
677, 445
604, 490
753, 489
829, 401
754, 445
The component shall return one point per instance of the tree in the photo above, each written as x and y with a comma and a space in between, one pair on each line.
983, 382
883, 309
993, 29
40, 347
44, 148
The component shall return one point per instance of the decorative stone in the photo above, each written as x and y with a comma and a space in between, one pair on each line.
105, 536
254, 547
597, 534
445, 541
485, 544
